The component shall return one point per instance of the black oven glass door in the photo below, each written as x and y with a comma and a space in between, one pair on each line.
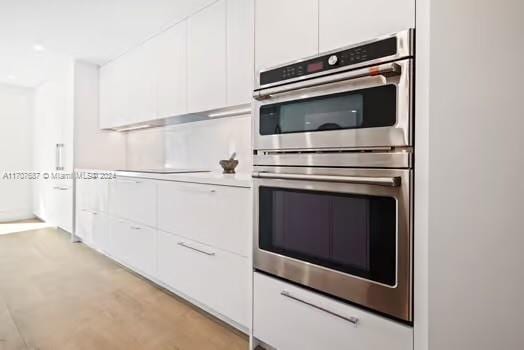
358, 109
350, 233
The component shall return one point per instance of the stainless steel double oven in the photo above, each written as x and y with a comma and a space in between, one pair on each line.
333, 155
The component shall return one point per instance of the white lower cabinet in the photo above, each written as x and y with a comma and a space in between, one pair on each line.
199, 247
134, 245
100, 233
216, 215
91, 227
134, 199
84, 225
213, 277
288, 317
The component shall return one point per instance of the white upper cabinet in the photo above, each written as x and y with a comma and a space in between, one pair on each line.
115, 92
108, 91
240, 32
207, 58
141, 89
345, 22
285, 31
200, 64
170, 49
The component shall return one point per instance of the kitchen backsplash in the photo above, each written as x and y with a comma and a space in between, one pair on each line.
192, 145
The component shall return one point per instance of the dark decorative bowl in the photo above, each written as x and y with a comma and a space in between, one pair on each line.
229, 165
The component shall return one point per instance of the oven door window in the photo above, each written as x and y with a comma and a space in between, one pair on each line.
366, 108
354, 234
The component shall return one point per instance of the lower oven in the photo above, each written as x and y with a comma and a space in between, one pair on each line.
345, 232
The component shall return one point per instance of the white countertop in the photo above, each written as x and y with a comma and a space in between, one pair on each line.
212, 178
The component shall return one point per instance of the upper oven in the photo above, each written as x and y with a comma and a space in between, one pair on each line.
359, 97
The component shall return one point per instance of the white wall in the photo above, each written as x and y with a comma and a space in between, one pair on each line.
94, 148
474, 182
16, 149
193, 145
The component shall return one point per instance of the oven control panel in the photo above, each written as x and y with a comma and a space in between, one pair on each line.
345, 57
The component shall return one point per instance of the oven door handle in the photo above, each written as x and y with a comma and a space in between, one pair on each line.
389, 181
384, 70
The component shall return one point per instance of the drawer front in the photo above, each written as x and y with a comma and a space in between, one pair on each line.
91, 228
216, 278
216, 215
100, 189
134, 245
134, 200
100, 231
92, 194
309, 321
84, 225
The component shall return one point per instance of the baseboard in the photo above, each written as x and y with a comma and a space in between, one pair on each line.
16, 215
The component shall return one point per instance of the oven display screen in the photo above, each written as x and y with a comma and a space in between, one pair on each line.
315, 67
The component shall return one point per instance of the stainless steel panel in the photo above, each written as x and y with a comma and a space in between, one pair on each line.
398, 135
384, 71
391, 181
336, 158
405, 48
396, 300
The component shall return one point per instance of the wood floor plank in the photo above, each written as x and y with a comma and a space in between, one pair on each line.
10, 338
64, 296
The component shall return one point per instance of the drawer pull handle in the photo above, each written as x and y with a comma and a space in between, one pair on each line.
351, 319
136, 228
182, 244
129, 181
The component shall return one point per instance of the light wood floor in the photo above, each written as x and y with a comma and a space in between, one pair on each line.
58, 295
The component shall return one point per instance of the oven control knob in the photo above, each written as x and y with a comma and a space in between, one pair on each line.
332, 60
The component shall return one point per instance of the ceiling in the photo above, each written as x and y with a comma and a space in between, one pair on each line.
95, 31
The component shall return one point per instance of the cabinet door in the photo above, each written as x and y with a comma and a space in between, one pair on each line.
207, 58
106, 96
141, 97
208, 275
310, 321
134, 200
285, 31
142, 248
134, 245
84, 225
369, 19
227, 212
240, 46
100, 238
113, 94
91, 228
171, 71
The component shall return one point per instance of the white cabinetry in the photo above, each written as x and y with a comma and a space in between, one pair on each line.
216, 215
199, 246
91, 227
288, 317
114, 86
285, 31
293, 29
54, 110
141, 89
134, 199
207, 58
170, 49
91, 208
240, 47
215, 278
202, 63
345, 22
134, 245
